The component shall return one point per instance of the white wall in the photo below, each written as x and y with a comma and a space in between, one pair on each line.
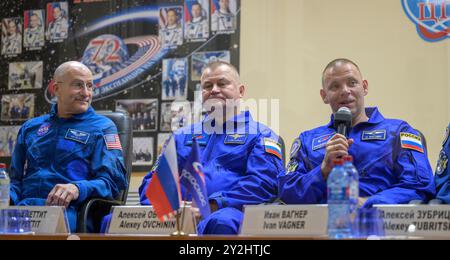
286, 44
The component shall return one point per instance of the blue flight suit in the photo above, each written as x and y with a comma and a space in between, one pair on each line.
173, 86
442, 171
51, 150
166, 84
239, 170
388, 172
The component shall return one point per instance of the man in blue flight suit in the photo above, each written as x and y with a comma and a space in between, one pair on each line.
240, 163
241, 157
442, 171
173, 84
69, 155
388, 153
166, 85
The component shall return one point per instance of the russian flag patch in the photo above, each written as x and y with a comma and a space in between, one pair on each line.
273, 147
412, 142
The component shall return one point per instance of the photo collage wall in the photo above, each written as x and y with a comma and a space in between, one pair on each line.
147, 57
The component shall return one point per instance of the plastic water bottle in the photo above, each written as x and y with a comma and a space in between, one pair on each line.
4, 187
339, 221
354, 184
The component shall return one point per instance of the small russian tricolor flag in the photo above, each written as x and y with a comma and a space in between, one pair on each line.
412, 142
272, 147
164, 188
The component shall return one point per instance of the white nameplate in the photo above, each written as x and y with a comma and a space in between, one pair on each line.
416, 220
46, 220
285, 220
143, 220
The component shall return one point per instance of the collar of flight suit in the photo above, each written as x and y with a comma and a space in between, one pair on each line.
375, 117
80, 117
243, 117
241, 122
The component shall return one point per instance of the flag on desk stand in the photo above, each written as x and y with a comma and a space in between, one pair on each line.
164, 188
193, 180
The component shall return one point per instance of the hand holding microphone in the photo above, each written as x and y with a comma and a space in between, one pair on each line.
337, 147
343, 121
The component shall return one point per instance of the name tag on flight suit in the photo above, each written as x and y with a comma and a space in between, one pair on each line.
235, 139
374, 135
77, 136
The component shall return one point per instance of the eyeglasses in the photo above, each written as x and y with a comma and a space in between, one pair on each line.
80, 85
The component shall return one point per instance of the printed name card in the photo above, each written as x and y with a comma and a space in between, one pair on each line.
45, 220
416, 220
133, 220
285, 220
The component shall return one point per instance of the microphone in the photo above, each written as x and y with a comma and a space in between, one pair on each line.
343, 121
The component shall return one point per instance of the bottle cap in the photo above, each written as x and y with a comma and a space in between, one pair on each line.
338, 162
348, 158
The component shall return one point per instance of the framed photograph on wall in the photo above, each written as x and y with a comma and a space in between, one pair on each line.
11, 36
18, 107
201, 59
25, 75
34, 29
143, 113
143, 151
8, 137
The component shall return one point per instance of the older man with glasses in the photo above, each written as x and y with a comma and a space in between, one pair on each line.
69, 155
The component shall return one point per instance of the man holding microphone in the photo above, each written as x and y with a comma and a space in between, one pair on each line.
389, 154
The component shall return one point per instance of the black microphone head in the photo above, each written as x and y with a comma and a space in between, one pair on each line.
343, 117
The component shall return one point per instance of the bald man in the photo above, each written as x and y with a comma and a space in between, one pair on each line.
70, 155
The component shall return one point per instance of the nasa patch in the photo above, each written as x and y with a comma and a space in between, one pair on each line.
43, 130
